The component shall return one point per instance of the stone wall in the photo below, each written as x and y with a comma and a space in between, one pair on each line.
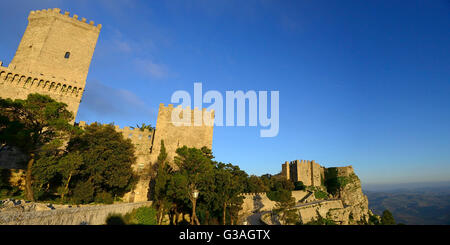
259, 202
308, 172
312, 211
15, 84
90, 214
176, 136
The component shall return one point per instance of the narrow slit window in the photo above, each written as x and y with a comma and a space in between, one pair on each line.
67, 55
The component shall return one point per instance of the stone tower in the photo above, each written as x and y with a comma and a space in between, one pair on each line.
53, 58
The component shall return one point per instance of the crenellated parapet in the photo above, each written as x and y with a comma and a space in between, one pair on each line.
56, 12
253, 194
136, 135
197, 117
32, 83
306, 171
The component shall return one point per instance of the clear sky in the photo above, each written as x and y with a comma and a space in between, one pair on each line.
365, 83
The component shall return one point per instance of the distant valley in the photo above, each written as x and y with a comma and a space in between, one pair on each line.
413, 205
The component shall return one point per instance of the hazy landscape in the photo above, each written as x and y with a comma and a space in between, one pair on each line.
411, 204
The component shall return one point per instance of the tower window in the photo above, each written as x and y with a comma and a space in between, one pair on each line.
67, 55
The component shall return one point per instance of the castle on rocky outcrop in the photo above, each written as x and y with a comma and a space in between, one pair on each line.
333, 193
53, 58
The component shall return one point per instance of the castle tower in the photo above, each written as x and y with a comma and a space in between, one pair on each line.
53, 58
178, 136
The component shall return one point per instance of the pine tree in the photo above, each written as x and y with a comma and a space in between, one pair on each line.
387, 218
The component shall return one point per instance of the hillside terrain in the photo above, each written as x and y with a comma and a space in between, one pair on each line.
420, 206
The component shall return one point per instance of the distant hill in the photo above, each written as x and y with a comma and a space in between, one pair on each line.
413, 206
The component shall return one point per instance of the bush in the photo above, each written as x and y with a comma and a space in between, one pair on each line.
279, 196
321, 221
145, 216
320, 194
83, 192
104, 197
387, 218
139, 216
299, 185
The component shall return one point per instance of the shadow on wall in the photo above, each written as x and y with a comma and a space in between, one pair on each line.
257, 203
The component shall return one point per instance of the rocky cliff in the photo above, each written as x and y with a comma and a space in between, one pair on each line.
344, 184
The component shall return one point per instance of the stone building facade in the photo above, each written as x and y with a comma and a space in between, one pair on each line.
53, 58
308, 172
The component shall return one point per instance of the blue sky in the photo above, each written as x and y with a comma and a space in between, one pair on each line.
365, 83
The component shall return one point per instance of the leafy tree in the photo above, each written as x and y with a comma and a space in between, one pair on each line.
255, 185
193, 164
30, 124
68, 167
107, 160
387, 218
104, 197
84, 192
228, 186
178, 193
159, 190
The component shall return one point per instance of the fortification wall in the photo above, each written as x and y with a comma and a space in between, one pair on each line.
177, 136
309, 172
92, 215
310, 212
16, 85
285, 170
260, 202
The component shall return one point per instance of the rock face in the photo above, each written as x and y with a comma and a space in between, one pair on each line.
343, 184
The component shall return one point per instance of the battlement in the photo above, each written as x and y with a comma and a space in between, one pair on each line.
251, 194
135, 134
56, 12
34, 83
309, 172
170, 107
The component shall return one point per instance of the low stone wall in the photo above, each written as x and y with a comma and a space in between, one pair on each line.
310, 212
260, 202
92, 215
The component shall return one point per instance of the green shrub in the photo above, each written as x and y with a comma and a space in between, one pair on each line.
104, 197
83, 192
387, 218
299, 185
318, 194
145, 216
280, 195
321, 221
